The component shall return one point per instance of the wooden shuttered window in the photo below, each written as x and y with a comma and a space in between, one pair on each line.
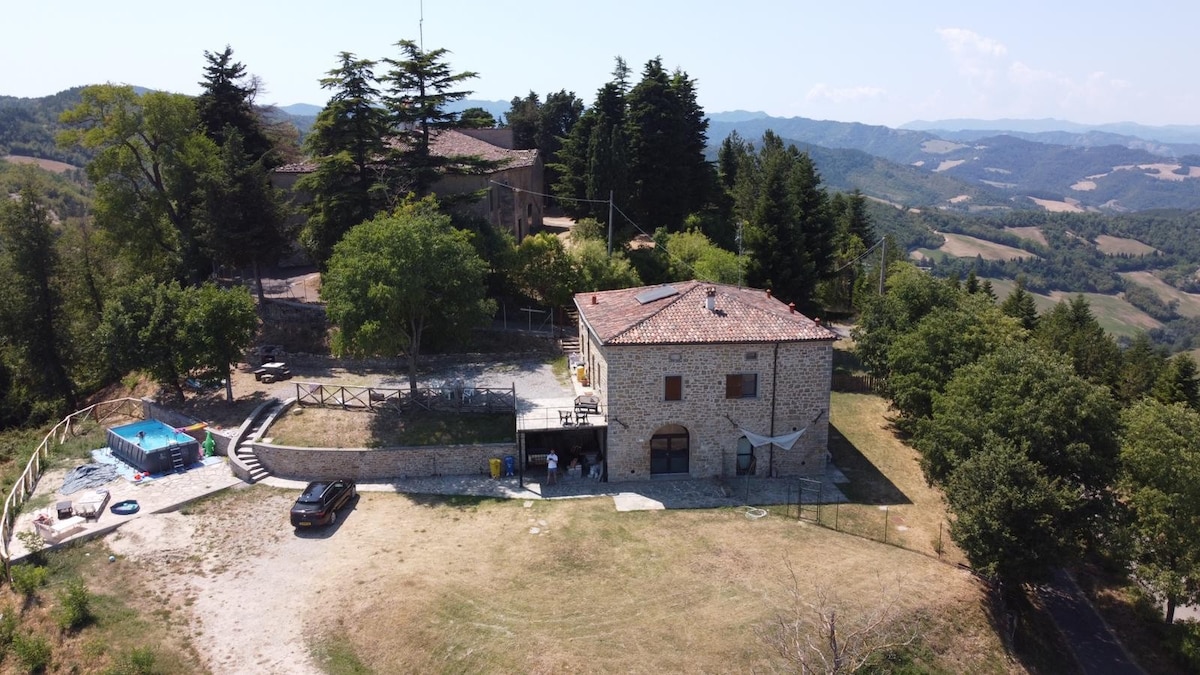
673, 388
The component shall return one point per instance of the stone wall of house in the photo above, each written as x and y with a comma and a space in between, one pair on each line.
382, 464
518, 210
793, 388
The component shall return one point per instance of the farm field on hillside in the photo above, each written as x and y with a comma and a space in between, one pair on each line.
1189, 303
963, 246
1114, 314
1030, 233
1110, 245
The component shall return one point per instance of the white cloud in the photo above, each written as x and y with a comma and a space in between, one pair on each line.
968, 43
822, 91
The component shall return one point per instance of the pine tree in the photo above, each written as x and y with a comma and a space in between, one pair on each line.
244, 214
789, 232
31, 304
1021, 306
419, 88
226, 104
347, 143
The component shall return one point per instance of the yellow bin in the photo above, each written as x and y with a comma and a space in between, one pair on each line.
579, 373
494, 465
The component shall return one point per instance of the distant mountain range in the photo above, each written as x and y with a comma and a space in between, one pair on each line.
1077, 169
963, 165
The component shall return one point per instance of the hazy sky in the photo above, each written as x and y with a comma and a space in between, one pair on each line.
878, 62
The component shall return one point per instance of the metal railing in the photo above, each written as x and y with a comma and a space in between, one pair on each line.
21, 491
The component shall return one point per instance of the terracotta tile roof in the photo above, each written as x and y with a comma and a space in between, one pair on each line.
451, 143
740, 315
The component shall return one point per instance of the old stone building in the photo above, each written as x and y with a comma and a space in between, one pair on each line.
506, 195
692, 376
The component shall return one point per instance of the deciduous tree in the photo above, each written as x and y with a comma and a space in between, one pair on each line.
1160, 483
397, 278
150, 160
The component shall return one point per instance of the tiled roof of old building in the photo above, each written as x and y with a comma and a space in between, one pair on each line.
656, 315
451, 143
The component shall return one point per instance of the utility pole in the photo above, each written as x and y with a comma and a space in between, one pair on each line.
610, 214
741, 260
882, 263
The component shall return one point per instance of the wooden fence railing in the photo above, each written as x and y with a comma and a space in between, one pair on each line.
443, 399
28, 480
858, 384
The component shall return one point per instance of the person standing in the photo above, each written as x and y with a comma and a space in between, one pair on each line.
552, 467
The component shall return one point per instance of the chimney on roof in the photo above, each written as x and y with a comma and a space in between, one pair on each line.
792, 307
710, 298
594, 301
768, 294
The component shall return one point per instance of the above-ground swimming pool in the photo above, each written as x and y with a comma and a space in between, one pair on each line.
152, 446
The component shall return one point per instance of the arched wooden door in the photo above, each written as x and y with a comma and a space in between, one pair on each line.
669, 450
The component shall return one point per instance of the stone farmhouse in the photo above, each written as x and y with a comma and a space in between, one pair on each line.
701, 379
509, 192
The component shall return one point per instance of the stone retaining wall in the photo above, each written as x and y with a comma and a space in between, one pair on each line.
367, 465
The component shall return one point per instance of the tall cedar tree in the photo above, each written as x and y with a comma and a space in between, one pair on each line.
226, 104
544, 126
419, 87
643, 146
789, 232
31, 308
592, 163
245, 214
667, 135
347, 144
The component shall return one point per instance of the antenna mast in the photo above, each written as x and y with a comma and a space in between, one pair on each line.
421, 27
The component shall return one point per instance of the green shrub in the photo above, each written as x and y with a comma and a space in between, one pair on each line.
1185, 636
75, 606
26, 579
33, 651
139, 661
8, 626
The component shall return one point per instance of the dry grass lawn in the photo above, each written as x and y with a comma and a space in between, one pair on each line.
872, 455
333, 428
573, 586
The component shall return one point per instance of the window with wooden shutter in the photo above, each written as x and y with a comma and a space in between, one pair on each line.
673, 388
741, 385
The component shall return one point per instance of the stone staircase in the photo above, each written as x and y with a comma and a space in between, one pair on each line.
246, 463
569, 342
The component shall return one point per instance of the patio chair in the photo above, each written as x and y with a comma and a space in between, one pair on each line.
564, 416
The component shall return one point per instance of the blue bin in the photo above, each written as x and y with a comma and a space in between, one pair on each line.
510, 465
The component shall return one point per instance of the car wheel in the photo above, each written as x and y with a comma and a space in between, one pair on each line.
332, 517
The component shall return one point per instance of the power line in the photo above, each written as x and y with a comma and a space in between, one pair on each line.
864, 254
615, 208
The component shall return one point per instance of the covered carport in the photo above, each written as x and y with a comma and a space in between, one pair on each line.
580, 448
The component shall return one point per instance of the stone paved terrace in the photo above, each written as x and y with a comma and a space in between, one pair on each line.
641, 495
161, 494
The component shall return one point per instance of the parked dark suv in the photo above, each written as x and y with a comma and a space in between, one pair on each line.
320, 501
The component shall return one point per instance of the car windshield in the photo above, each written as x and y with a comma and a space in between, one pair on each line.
312, 494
